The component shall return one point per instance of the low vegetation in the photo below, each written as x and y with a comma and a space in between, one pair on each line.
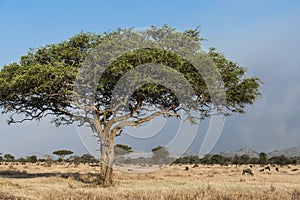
160, 155
190, 177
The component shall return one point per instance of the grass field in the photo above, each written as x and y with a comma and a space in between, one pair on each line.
32, 181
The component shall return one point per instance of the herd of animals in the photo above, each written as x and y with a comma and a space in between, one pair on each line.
248, 171
268, 168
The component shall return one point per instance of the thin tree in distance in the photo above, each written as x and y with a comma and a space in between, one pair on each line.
62, 154
160, 155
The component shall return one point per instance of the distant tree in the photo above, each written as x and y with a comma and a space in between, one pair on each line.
245, 159
32, 159
263, 158
121, 149
194, 159
75, 159
1, 158
21, 160
188, 160
62, 153
280, 160
206, 159
9, 157
160, 155
217, 159
182, 160
236, 160
254, 160
88, 158
295, 160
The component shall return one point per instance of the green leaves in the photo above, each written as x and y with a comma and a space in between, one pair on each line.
43, 81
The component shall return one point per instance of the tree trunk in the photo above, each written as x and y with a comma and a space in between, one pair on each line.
107, 161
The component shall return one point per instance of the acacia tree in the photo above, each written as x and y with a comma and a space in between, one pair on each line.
120, 150
9, 157
62, 153
263, 158
52, 80
88, 158
160, 154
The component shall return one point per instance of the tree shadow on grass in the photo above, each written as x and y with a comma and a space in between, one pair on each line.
85, 178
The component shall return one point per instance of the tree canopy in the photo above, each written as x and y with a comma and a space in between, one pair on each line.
8, 157
62, 153
122, 149
160, 154
42, 82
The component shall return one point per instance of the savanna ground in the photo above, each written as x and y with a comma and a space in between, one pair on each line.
33, 181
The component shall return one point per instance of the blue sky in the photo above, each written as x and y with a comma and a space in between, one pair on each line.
261, 35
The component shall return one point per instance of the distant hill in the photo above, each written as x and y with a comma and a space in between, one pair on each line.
173, 154
186, 153
290, 152
240, 152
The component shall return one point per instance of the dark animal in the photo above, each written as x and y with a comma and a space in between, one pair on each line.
186, 168
195, 166
277, 169
261, 170
268, 168
251, 166
94, 165
247, 171
294, 170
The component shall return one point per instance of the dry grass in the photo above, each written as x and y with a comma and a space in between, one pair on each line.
172, 182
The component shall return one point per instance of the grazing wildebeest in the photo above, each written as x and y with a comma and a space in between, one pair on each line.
186, 168
247, 171
261, 170
195, 166
294, 170
251, 166
94, 165
277, 169
268, 168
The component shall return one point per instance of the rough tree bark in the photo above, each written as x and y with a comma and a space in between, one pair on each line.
107, 136
107, 160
